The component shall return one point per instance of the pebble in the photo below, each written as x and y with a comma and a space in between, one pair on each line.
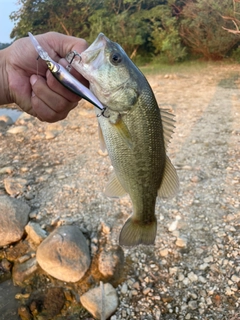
124, 288
101, 301
163, 253
181, 242
13, 218
50, 135
64, 254
17, 129
235, 278
146, 291
8, 120
22, 271
35, 232
8, 169
193, 304
203, 266
14, 186
192, 277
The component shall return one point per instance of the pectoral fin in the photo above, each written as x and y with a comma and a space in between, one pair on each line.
123, 131
114, 188
101, 139
170, 183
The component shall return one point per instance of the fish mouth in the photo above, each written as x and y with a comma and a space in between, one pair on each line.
89, 61
92, 54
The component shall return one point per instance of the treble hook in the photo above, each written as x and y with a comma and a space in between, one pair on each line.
70, 57
102, 113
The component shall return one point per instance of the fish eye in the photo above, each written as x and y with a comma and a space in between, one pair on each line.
116, 58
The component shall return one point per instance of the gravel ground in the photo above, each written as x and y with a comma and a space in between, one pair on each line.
193, 271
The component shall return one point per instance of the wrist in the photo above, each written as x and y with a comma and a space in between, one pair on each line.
4, 85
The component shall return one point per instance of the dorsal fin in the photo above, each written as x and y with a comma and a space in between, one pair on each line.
170, 183
168, 125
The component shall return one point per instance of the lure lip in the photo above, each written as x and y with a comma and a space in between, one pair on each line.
65, 77
42, 53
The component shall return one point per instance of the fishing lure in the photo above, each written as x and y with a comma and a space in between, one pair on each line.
64, 76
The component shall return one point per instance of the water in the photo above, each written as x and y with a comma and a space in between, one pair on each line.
13, 113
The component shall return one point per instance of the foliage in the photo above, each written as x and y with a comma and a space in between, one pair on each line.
201, 28
65, 16
165, 36
4, 45
147, 29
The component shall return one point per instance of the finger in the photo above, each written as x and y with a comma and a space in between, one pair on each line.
44, 113
47, 104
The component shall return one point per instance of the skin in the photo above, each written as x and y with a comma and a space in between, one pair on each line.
28, 83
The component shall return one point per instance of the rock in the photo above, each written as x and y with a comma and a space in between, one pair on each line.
35, 232
52, 130
3, 125
8, 120
100, 302
13, 218
8, 169
193, 304
192, 277
50, 135
163, 252
64, 254
173, 226
24, 117
14, 186
23, 271
110, 262
181, 242
124, 288
6, 265
17, 129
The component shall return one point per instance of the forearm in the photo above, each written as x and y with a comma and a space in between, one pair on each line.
4, 85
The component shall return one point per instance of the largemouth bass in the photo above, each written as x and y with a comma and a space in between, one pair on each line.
135, 133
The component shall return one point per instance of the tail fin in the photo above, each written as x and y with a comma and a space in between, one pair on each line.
135, 232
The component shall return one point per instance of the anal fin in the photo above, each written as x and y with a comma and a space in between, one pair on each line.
170, 183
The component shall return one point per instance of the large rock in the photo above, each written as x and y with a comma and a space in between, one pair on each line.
101, 302
13, 218
64, 254
111, 261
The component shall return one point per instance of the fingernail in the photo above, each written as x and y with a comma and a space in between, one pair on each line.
33, 79
33, 94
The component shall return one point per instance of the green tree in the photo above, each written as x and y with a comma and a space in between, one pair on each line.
65, 16
201, 27
165, 36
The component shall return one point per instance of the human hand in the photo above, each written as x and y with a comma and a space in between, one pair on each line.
29, 83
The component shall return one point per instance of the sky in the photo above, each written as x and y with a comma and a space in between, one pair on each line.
6, 25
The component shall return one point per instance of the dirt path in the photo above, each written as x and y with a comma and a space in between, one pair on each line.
193, 272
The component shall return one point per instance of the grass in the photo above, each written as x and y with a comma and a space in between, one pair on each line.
191, 66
